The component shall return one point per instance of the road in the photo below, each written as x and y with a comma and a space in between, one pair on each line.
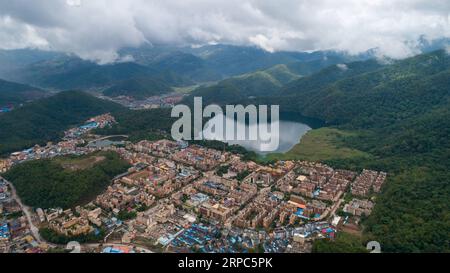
35, 231
26, 210
331, 212
106, 137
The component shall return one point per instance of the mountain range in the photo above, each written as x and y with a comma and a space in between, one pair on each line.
176, 66
395, 111
13, 94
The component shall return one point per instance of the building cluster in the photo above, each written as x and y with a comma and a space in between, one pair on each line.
368, 182
317, 181
4, 191
101, 121
70, 224
224, 197
185, 198
81, 221
201, 158
5, 164
359, 207
261, 212
15, 233
6, 108
72, 144
154, 102
51, 150
237, 166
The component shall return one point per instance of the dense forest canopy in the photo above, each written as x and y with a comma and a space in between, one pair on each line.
12, 93
46, 119
47, 184
399, 114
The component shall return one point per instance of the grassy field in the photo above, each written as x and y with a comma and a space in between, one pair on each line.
321, 145
80, 163
343, 243
186, 89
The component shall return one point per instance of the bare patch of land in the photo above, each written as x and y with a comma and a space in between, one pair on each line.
83, 163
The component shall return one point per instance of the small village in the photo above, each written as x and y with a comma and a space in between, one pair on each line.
186, 198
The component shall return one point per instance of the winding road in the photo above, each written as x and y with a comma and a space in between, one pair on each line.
26, 210
35, 231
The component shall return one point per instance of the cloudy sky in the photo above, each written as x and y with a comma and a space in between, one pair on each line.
96, 29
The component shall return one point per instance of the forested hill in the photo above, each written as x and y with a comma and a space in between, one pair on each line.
260, 83
52, 183
397, 113
267, 82
139, 88
15, 93
400, 114
46, 119
404, 89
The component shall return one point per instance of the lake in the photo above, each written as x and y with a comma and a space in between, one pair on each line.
291, 133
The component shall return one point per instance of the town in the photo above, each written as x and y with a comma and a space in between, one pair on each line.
183, 198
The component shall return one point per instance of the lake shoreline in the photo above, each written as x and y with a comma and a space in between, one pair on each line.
290, 134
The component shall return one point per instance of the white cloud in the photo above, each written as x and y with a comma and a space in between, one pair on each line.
342, 67
15, 34
96, 29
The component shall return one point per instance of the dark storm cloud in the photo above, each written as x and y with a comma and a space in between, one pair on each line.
96, 29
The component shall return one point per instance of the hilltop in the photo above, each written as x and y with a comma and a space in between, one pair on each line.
16, 93
400, 115
392, 116
46, 119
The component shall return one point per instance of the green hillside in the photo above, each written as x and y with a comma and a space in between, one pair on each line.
217, 62
45, 120
329, 75
393, 117
73, 73
15, 93
141, 124
48, 184
402, 90
260, 83
138, 88
399, 114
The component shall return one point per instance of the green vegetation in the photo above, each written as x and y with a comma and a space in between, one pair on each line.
343, 243
54, 237
222, 170
70, 72
142, 124
400, 115
260, 83
186, 89
241, 176
126, 215
45, 120
47, 184
393, 117
15, 93
76, 163
323, 144
138, 88
14, 215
